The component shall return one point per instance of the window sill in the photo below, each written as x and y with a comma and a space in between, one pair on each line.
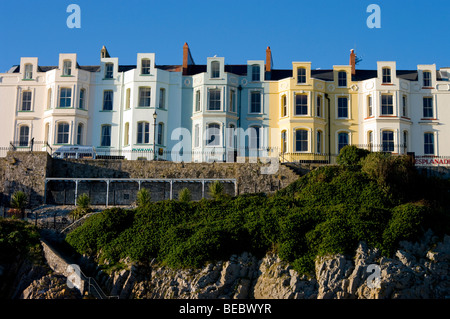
64, 108
428, 119
107, 111
104, 147
387, 115
388, 84
145, 74
143, 107
109, 79
25, 111
28, 79
428, 88
67, 76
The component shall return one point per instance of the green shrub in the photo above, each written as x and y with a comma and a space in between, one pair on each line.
184, 195
216, 190
19, 200
143, 198
351, 156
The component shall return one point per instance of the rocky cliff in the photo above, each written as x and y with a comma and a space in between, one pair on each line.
417, 270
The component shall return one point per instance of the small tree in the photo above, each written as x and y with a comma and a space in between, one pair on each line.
216, 190
351, 156
143, 197
184, 195
84, 207
19, 201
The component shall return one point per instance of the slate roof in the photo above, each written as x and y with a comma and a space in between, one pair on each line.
241, 70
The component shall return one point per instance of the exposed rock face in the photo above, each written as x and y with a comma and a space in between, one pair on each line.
50, 287
414, 272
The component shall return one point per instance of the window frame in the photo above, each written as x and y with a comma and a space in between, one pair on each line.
108, 104
82, 99
80, 134
301, 106
340, 107
427, 144
24, 142
386, 106
67, 97
209, 135
342, 81
256, 72
387, 145
146, 69
103, 135
143, 132
26, 103
144, 98
255, 105
216, 101
386, 78
428, 108
162, 98
109, 71
160, 134
215, 69
303, 142
62, 133
301, 78
28, 74
339, 145
427, 79
67, 68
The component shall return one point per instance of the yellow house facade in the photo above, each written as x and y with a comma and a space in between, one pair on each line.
313, 113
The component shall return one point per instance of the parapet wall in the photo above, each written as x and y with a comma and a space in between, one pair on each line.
27, 172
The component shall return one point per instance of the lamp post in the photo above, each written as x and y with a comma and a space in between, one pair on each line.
154, 135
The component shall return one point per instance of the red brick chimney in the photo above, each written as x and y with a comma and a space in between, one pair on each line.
268, 60
185, 57
353, 61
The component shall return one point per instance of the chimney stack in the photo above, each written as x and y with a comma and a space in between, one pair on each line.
185, 58
268, 60
353, 61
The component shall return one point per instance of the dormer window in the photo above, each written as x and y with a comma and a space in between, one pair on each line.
67, 67
426, 78
28, 72
109, 70
342, 79
301, 75
386, 76
256, 74
215, 69
145, 66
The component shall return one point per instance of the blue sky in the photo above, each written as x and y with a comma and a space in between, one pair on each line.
412, 32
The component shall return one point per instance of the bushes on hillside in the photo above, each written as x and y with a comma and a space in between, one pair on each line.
329, 210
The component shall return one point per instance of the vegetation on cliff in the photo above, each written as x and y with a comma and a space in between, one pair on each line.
372, 197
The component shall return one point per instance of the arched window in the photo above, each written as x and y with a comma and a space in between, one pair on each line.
301, 76
67, 67
145, 66
255, 137
49, 98
24, 135
342, 78
319, 141
301, 140
82, 100
63, 133
428, 143
80, 129
160, 138
109, 70
343, 140
215, 69
105, 138
387, 140
143, 133
28, 72
387, 76
126, 137
283, 141
283, 106
370, 140
256, 72
213, 134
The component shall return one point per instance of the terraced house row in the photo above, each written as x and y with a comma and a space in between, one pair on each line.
222, 112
